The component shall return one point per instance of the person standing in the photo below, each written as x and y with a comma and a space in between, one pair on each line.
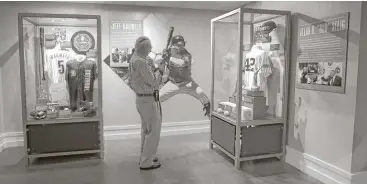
146, 86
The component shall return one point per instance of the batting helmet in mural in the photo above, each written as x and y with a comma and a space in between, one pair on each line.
176, 39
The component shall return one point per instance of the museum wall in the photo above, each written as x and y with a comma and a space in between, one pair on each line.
359, 161
1, 105
118, 99
328, 118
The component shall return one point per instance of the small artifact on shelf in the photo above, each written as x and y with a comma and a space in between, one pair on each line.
39, 114
65, 113
77, 114
88, 109
221, 106
226, 108
52, 110
226, 113
246, 113
90, 113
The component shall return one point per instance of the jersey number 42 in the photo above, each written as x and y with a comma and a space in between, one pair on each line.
249, 64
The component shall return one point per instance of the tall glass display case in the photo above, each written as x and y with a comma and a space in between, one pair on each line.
61, 84
250, 56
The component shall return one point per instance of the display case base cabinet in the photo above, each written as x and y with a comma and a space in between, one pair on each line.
63, 138
223, 134
257, 142
261, 140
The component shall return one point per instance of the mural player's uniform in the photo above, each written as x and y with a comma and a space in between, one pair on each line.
144, 84
180, 80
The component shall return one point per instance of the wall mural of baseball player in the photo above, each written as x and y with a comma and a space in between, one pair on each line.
179, 79
177, 66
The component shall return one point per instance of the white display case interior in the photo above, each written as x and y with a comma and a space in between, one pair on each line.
250, 52
61, 84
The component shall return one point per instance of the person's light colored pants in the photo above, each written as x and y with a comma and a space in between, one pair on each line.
151, 122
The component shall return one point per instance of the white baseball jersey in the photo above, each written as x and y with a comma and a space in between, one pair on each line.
55, 64
257, 69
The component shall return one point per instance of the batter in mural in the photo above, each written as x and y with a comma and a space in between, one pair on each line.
179, 79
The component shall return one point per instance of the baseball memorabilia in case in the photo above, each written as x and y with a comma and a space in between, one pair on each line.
253, 99
60, 66
64, 63
82, 41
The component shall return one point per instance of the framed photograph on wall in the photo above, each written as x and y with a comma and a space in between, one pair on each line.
322, 61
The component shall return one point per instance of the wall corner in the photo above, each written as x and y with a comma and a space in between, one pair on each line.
359, 151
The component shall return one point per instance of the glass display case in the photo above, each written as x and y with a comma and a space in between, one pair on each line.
60, 67
250, 83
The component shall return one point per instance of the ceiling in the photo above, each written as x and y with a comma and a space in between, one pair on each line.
204, 5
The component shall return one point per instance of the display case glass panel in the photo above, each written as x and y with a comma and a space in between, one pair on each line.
262, 68
225, 61
61, 60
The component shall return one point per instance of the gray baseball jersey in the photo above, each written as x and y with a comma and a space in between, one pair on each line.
74, 82
88, 73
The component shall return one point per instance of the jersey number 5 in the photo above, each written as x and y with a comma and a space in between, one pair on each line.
249, 64
60, 64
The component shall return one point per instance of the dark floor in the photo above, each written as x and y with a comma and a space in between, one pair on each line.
185, 160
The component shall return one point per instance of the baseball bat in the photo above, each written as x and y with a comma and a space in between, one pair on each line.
170, 36
170, 33
42, 40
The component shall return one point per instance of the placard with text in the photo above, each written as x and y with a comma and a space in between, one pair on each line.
323, 46
123, 35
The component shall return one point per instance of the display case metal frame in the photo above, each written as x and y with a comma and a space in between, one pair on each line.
96, 123
232, 132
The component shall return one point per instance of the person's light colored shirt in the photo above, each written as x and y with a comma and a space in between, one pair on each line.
142, 79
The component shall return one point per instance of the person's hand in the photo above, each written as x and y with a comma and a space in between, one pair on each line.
166, 72
164, 78
157, 75
162, 66
166, 54
165, 75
